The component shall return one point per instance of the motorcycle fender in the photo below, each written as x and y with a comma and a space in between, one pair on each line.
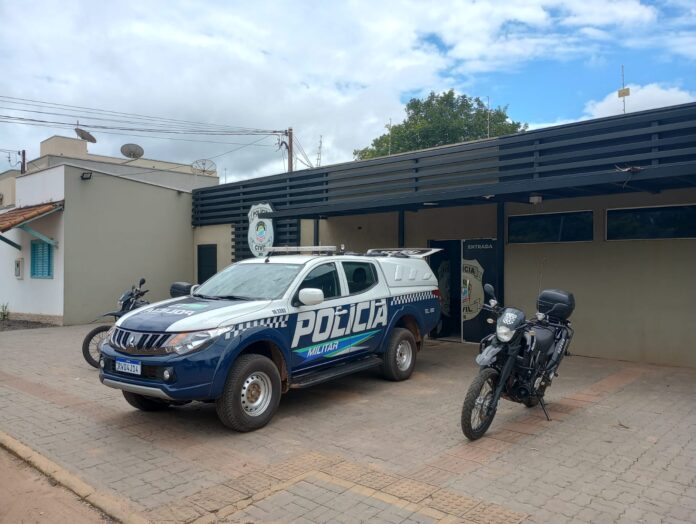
115, 314
488, 355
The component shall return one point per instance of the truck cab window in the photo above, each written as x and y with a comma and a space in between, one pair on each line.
324, 277
360, 275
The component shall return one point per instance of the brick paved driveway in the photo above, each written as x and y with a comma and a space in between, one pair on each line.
621, 446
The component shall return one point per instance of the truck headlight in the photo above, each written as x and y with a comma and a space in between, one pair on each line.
504, 333
194, 341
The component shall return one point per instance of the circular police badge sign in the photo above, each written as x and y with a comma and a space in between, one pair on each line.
260, 234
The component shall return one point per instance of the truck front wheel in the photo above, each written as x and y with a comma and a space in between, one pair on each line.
400, 357
251, 395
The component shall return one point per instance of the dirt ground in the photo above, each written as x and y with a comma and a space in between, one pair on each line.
28, 497
10, 325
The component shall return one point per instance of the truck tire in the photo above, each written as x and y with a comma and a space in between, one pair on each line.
251, 395
399, 359
144, 403
91, 343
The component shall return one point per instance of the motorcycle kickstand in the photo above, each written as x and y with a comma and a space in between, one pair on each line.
543, 406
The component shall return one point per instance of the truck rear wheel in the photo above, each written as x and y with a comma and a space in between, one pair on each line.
400, 357
251, 395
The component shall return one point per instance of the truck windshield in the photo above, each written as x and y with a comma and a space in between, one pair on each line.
250, 281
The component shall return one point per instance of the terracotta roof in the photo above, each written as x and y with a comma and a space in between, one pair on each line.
20, 215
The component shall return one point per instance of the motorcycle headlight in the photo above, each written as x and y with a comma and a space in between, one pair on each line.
194, 341
504, 333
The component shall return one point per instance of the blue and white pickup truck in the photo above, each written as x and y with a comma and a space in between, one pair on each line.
262, 326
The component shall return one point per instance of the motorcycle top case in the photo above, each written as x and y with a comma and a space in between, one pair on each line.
550, 297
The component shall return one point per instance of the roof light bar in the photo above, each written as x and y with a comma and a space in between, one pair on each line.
302, 249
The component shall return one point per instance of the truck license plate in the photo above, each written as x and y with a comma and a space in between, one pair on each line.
128, 366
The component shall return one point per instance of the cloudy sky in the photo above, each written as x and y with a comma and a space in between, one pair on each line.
336, 69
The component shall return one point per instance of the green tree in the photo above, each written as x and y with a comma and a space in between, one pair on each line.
438, 120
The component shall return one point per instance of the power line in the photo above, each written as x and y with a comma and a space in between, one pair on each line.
104, 112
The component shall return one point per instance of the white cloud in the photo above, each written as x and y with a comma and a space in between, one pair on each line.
337, 69
649, 96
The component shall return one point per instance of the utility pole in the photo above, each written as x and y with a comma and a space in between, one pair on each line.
488, 103
624, 91
23, 169
319, 151
290, 152
390, 126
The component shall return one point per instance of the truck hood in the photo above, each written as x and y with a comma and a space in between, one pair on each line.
190, 314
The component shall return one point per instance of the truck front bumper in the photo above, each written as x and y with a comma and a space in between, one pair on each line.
190, 376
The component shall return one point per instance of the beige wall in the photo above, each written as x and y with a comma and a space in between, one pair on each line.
117, 231
221, 235
7, 188
362, 232
634, 297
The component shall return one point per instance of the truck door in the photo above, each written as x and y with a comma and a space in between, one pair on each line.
340, 327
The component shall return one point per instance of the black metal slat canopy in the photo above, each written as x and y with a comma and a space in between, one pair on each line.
644, 151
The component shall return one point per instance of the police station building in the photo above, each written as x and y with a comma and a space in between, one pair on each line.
603, 208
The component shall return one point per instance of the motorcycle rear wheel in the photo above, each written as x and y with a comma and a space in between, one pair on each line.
91, 343
475, 421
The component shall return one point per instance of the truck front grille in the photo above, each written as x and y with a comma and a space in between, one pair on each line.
139, 343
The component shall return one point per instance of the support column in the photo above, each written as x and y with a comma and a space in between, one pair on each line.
402, 232
500, 251
316, 232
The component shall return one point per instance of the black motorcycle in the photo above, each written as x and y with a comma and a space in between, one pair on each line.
129, 301
520, 360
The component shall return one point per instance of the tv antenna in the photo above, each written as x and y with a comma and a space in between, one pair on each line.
132, 151
204, 166
84, 135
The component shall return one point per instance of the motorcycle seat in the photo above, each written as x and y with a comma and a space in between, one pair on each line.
544, 340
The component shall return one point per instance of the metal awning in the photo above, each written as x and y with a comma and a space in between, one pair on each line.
20, 218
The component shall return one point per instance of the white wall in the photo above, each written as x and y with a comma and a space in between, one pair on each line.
35, 298
39, 188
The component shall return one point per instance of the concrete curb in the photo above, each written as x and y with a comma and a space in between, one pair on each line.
114, 507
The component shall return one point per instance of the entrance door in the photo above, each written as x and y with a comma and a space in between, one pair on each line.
446, 266
207, 261
478, 267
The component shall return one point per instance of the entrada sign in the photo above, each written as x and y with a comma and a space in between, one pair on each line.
260, 229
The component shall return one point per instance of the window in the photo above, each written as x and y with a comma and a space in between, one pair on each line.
550, 227
324, 277
651, 222
41, 259
360, 276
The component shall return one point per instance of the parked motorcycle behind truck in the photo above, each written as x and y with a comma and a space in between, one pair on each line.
129, 301
520, 360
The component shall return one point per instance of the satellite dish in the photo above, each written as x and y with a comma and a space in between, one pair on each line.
85, 135
204, 167
132, 151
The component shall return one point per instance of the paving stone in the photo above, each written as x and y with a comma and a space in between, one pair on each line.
410, 490
451, 502
618, 450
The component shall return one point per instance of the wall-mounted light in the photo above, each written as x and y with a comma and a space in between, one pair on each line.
86, 175
429, 203
535, 199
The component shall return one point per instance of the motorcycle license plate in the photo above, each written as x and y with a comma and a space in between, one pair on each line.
125, 365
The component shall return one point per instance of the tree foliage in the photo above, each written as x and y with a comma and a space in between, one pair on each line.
438, 120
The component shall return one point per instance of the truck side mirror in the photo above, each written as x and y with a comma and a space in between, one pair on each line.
311, 296
180, 289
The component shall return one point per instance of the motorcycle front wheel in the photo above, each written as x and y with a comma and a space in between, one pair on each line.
476, 416
91, 344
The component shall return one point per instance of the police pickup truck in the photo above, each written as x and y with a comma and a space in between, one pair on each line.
262, 326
